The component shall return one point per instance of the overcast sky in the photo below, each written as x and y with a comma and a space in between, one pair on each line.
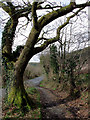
36, 58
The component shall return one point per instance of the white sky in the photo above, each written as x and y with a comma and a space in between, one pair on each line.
21, 39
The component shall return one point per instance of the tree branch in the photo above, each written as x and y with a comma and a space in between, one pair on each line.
83, 5
52, 40
11, 5
34, 14
24, 10
5, 8
46, 19
8, 35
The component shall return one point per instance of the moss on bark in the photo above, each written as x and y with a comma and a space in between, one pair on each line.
19, 98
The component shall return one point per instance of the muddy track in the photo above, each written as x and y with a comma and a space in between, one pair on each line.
53, 106
51, 109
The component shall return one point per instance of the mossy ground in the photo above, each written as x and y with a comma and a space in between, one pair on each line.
10, 112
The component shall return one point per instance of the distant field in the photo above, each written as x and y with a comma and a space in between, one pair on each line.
33, 70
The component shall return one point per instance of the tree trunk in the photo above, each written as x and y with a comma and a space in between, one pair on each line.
72, 83
17, 95
74, 92
72, 87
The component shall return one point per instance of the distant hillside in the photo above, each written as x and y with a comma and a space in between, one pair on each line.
84, 55
34, 64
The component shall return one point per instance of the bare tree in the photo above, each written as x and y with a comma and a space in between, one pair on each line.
17, 94
69, 59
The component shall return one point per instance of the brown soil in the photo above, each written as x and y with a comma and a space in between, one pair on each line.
58, 105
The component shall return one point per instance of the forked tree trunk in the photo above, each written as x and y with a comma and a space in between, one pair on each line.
17, 93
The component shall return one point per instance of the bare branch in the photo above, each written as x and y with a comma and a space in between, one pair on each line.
34, 14
52, 40
46, 19
5, 8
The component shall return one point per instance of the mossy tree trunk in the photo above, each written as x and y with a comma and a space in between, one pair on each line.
17, 95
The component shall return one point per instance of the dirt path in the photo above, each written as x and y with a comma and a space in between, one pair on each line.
51, 109
59, 105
